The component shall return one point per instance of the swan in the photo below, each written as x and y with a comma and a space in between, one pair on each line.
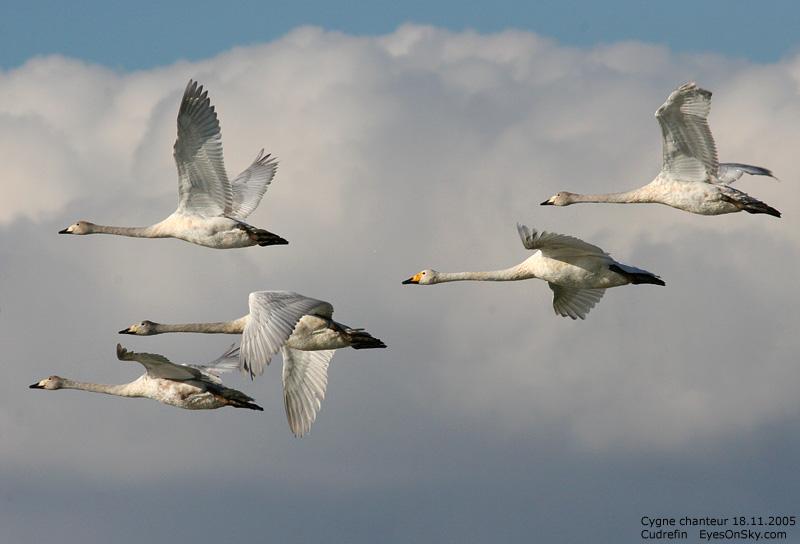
691, 178
577, 272
193, 387
211, 209
301, 328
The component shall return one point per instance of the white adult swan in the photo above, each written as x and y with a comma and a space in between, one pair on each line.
577, 272
691, 177
301, 328
194, 387
211, 209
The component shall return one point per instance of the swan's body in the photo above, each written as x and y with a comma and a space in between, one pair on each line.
577, 272
211, 209
193, 387
691, 178
301, 328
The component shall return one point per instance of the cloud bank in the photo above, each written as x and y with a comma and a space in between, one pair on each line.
421, 148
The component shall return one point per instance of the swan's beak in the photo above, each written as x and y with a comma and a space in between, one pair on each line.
126, 331
35, 386
65, 231
413, 279
547, 202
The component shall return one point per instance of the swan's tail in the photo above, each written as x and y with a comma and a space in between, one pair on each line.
261, 236
235, 398
636, 275
266, 238
361, 339
745, 202
756, 206
245, 404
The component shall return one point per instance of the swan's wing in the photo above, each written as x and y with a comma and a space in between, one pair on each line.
305, 377
273, 316
224, 363
689, 150
158, 366
574, 303
731, 171
203, 186
250, 185
556, 245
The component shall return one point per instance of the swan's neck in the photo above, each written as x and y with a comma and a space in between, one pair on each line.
222, 327
507, 274
636, 195
135, 232
121, 390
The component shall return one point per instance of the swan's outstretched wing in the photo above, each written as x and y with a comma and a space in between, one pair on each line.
305, 377
689, 150
224, 363
203, 186
557, 245
159, 366
574, 303
731, 171
250, 185
273, 316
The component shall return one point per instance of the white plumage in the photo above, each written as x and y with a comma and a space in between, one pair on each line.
691, 178
193, 387
301, 328
578, 272
211, 209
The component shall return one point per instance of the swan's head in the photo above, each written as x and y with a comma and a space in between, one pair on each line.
426, 277
53, 382
143, 328
81, 227
562, 198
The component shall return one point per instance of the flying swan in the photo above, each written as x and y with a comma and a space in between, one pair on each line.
301, 328
577, 272
211, 209
691, 177
194, 387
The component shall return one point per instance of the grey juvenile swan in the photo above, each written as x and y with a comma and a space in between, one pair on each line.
301, 328
577, 272
691, 178
194, 387
211, 209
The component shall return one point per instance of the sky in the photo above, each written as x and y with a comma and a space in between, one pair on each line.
406, 140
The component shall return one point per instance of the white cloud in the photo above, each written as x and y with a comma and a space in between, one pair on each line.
420, 148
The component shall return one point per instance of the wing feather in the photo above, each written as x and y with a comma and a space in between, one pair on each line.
556, 245
305, 379
574, 303
732, 171
249, 187
273, 317
690, 153
203, 186
158, 366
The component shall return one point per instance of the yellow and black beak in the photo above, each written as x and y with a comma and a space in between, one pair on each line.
126, 331
35, 386
64, 231
413, 279
547, 202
